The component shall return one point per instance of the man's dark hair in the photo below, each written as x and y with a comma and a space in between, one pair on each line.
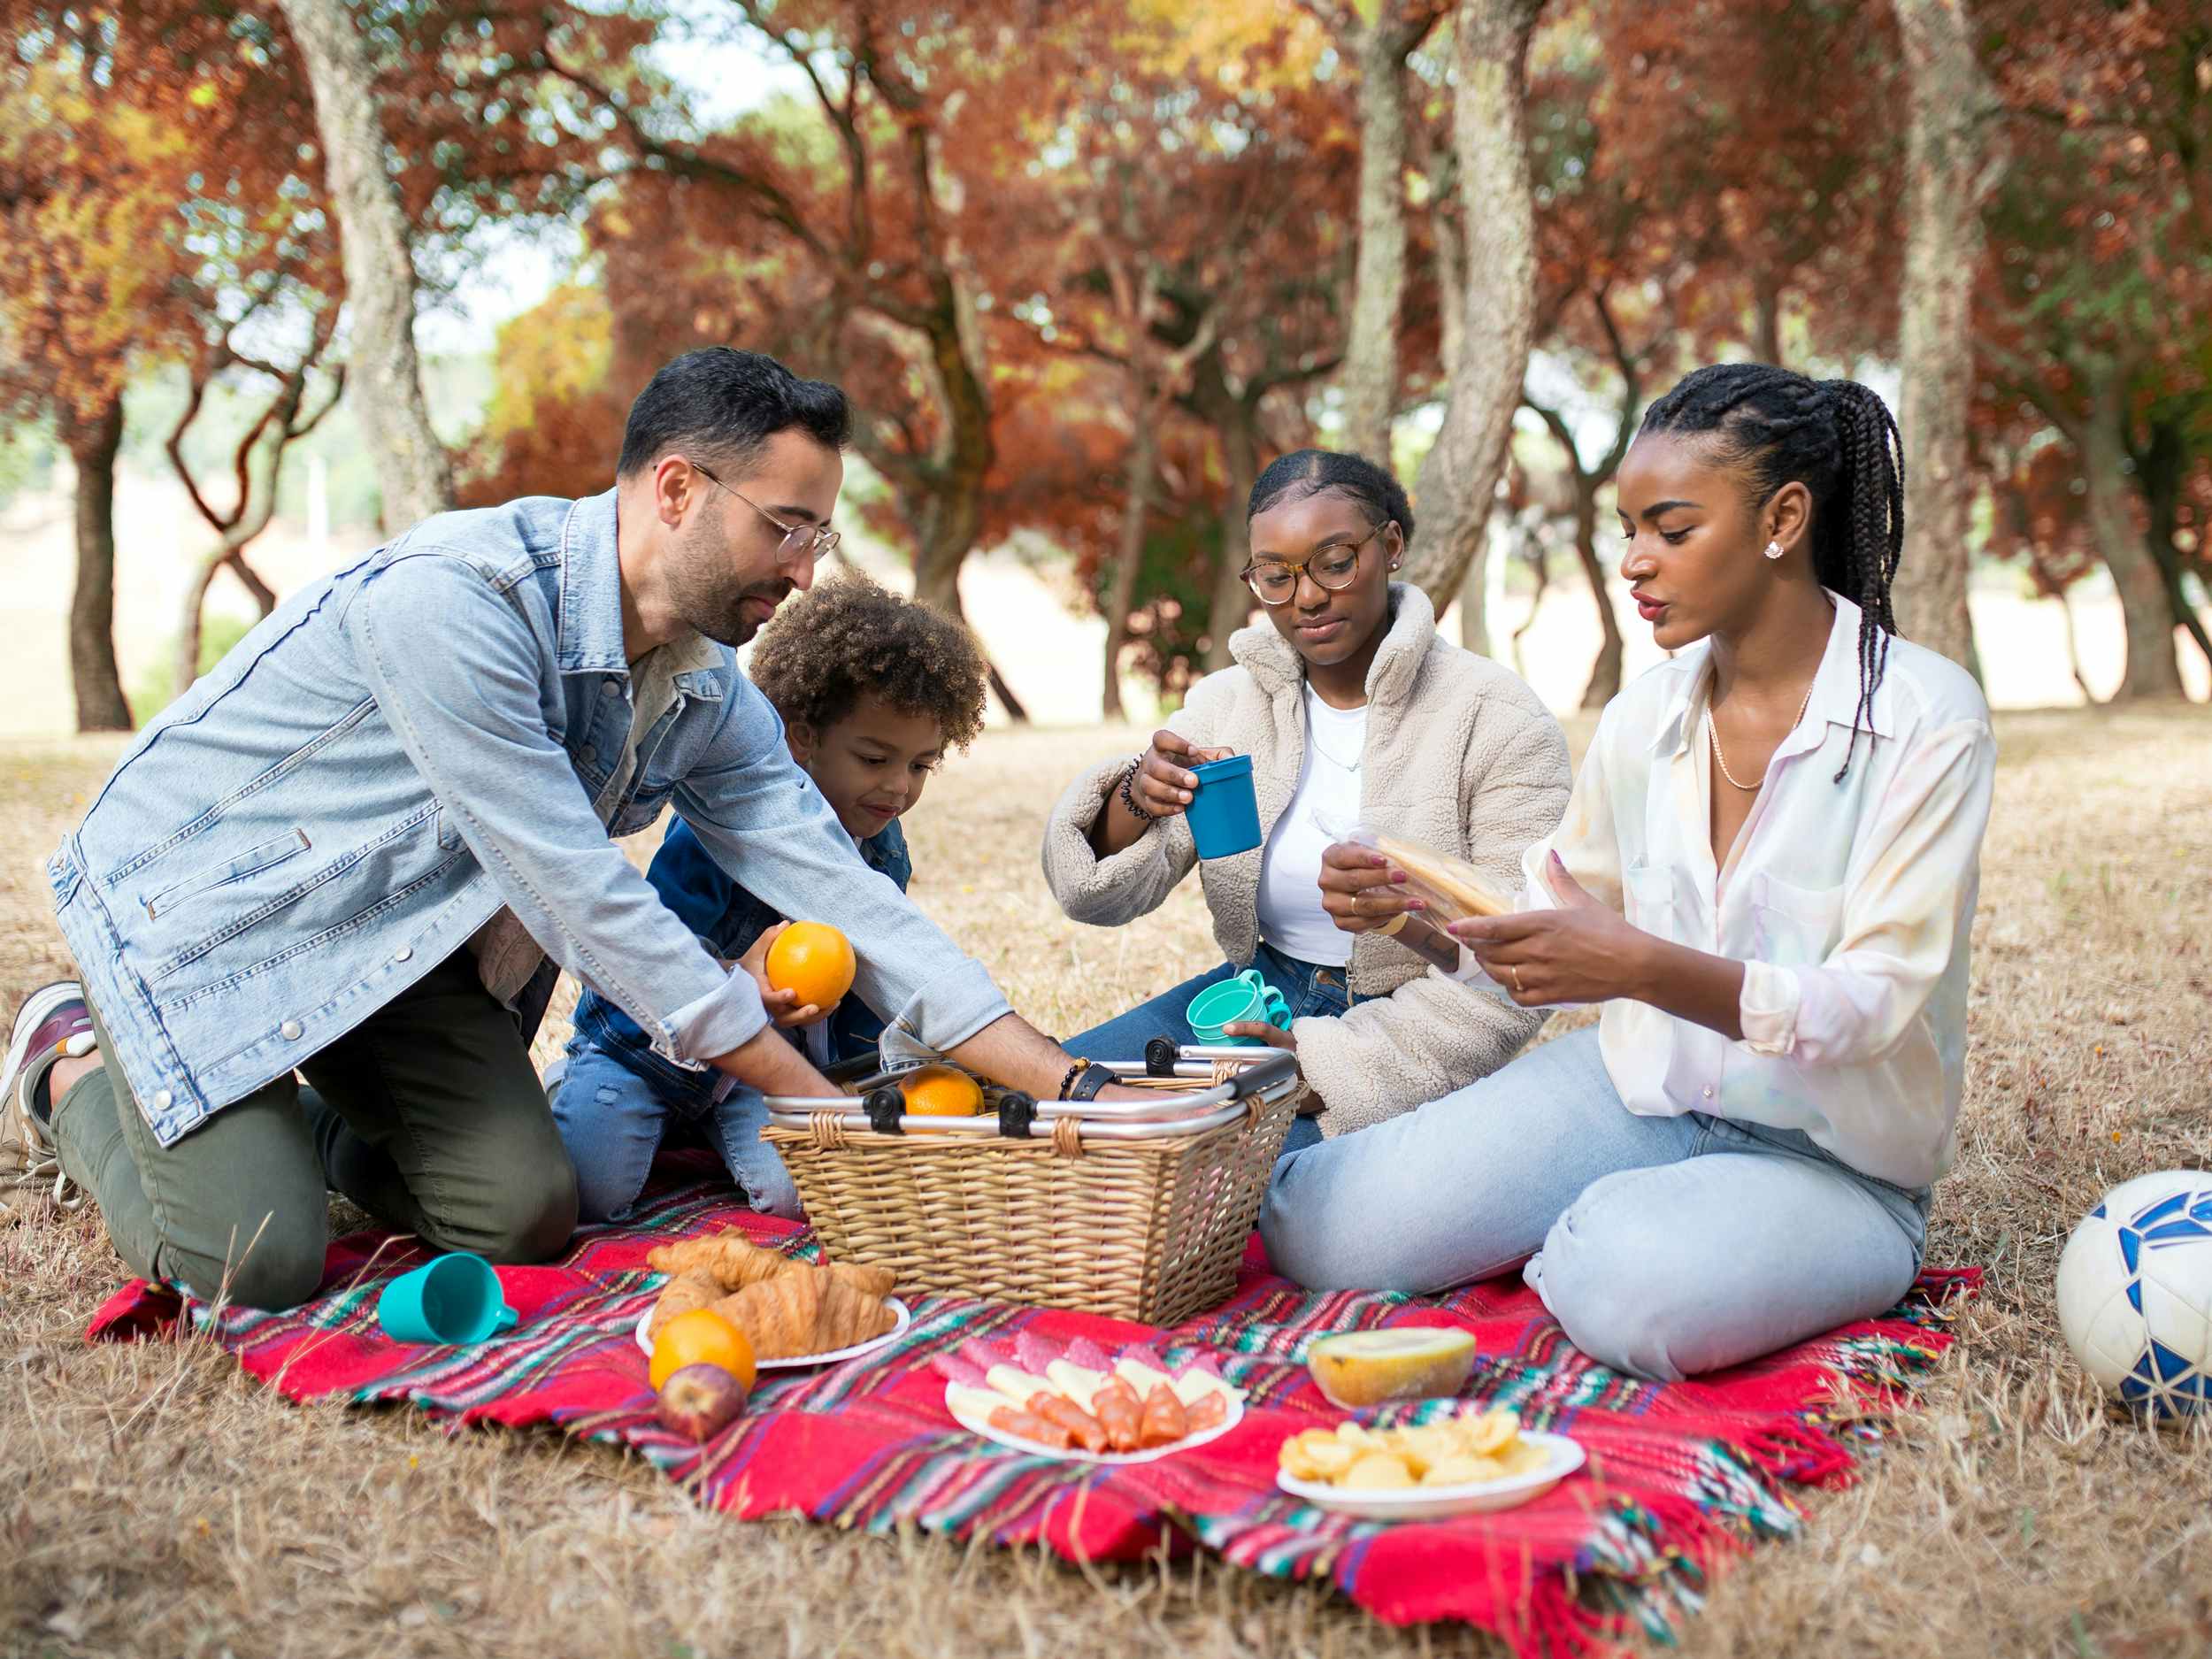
1775, 427
727, 404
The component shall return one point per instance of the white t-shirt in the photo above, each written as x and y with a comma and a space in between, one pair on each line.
1290, 913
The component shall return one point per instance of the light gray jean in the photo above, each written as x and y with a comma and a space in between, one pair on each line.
1665, 1247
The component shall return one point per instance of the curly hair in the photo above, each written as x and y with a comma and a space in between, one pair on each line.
850, 638
1838, 439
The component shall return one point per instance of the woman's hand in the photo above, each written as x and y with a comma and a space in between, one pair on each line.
1362, 890
1161, 787
1582, 952
782, 1006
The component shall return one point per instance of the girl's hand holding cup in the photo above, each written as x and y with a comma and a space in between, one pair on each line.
1163, 783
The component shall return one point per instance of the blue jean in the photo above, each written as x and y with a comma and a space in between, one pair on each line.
1665, 1247
1313, 990
613, 1121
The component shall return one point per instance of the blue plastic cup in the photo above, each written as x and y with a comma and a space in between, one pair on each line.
1223, 812
1246, 997
455, 1300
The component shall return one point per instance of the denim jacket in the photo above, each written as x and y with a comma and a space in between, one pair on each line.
727, 920
406, 745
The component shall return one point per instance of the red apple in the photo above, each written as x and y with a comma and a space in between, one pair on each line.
699, 1402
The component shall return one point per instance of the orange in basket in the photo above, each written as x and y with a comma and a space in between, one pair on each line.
940, 1091
813, 959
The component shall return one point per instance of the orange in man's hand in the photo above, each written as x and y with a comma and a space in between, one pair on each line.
814, 960
702, 1337
940, 1091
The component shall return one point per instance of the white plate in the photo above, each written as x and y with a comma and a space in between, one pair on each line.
1429, 1504
979, 1425
799, 1361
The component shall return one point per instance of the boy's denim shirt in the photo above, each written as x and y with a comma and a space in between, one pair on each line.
401, 747
701, 894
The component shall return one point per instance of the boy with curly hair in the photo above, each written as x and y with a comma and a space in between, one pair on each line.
873, 689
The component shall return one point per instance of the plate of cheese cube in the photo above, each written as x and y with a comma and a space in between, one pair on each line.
1463, 1464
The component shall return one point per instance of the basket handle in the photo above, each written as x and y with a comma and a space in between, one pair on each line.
1067, 1137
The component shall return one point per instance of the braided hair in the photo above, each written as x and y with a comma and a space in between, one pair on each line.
1304, 473
1840, 441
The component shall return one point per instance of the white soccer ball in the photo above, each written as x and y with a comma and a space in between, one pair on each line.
2135, 1293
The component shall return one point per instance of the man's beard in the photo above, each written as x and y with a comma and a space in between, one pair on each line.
710, 600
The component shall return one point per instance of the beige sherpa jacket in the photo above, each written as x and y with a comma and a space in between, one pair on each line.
1461, 755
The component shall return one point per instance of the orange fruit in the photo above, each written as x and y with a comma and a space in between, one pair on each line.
813, 959
702, 1337
941, 1091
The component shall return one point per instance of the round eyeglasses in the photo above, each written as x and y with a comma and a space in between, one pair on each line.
1333, 568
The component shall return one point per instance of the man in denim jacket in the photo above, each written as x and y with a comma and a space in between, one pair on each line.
359, 851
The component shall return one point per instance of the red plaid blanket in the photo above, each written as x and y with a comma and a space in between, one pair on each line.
1677, 1475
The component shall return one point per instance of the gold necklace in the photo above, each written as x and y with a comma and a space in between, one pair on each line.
1712, 729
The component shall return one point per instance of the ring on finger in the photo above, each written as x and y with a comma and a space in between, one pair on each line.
1514, 968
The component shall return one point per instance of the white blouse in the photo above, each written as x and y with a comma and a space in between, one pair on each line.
1849, 905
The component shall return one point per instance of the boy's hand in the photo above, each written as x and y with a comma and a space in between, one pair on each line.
783, 1006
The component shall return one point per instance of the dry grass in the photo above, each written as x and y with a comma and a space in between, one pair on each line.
166, 1506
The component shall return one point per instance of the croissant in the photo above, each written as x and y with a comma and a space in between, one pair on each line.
777, 1315
849, 1315
870, 1281
730, 1258
681, 1295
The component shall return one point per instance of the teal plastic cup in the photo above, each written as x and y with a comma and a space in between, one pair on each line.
455, 1300
1223, 812
1246, 997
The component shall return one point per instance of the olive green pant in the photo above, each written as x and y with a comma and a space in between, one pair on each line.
428, 1115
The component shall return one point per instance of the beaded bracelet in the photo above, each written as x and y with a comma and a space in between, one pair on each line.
1129, 795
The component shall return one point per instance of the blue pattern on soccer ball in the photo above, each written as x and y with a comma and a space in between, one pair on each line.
2162, 1383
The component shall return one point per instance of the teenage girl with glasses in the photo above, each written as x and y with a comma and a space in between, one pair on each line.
1352, 709
1767, 879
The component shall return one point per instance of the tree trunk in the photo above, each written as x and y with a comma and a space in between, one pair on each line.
2154, 669
93, 445
1605, 673
413, 470
2159, 474
1766, 320
1474, 607
1129, 560
1490, 135
1371, 358
1232, 600
1952, 171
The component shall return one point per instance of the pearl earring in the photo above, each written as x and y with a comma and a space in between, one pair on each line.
1774, 549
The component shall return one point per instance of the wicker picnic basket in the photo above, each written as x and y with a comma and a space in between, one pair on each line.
1139, 1209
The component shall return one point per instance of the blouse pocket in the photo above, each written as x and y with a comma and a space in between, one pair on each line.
1650, 894
1796, 926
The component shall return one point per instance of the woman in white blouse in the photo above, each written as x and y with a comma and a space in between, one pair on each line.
1767, 876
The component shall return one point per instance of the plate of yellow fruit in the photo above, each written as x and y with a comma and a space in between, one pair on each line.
1464, 1464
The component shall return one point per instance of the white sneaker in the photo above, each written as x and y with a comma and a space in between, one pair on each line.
53, 1024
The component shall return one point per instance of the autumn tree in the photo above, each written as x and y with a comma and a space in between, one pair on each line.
2098, 287
135, 141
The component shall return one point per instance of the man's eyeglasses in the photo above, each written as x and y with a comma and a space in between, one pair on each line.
1332, 568
798, 539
